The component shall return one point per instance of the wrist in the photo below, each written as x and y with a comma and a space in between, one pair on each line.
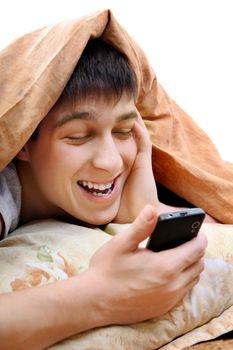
83, 308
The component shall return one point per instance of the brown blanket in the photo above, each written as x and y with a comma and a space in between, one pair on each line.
34, 70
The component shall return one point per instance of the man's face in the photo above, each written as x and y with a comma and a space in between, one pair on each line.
82, 157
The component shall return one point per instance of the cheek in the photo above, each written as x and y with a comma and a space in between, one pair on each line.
55, 155
51, 164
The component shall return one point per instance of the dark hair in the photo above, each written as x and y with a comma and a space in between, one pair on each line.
101, 71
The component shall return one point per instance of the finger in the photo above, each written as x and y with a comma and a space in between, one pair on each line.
141, 121
192, 273
190, 286
195, 269
188, 253
184, 290
141, 137
140, 229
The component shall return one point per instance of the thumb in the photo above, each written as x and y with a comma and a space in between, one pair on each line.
141, 228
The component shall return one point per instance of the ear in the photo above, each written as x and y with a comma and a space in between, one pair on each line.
23, 154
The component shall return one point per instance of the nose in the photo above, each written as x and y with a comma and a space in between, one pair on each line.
107, 156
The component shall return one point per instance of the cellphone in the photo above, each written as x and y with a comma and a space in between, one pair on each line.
175, 228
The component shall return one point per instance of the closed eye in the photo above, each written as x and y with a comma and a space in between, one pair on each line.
125, 133
77, 140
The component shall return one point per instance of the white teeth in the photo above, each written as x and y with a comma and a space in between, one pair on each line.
100, 187
90, 185
99, 194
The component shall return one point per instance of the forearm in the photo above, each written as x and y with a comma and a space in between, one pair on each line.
38, 317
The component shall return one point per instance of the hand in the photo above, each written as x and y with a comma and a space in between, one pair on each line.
140, 188
133, 284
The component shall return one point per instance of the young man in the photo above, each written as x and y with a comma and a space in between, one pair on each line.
90, 159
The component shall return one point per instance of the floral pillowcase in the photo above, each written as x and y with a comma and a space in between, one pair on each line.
43, 252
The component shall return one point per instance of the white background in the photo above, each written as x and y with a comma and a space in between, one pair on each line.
188, 42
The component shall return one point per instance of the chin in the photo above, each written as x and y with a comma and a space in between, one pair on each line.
102, 219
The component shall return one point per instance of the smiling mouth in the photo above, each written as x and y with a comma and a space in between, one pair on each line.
97, 189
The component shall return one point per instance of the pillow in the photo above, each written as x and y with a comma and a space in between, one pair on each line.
43, 252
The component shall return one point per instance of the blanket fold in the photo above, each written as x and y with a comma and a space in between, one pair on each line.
34, 70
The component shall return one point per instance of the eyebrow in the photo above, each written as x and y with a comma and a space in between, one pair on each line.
89, 116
